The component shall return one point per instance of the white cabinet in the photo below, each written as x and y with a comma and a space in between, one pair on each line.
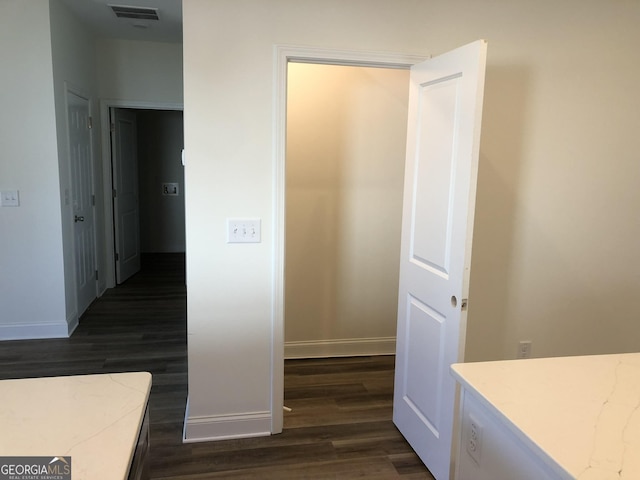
495, 452
549, 418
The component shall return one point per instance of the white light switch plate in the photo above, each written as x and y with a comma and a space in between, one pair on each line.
9, 198
243, 230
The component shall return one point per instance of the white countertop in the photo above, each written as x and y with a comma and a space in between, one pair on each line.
582, 412
95, 419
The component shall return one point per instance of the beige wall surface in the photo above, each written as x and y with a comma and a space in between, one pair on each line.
555, 250
346, 131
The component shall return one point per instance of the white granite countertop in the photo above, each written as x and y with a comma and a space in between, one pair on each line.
95, 419
582, 412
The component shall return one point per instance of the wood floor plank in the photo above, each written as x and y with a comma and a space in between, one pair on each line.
340, 427
371, 469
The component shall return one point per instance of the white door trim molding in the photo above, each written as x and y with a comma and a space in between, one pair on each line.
283, 54
107, 174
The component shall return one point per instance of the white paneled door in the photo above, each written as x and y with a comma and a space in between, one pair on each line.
126, 209
82, 198
443, 138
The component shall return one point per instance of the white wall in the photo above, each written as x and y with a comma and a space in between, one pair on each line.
346, 131
32, 295
160, 144
140, 71
555, 250
73, 55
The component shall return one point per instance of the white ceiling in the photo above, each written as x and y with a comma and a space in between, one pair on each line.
103, 22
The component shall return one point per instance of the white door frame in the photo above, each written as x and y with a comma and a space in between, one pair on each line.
283, 54
107, 173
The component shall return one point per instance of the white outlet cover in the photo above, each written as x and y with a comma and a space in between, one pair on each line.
474, 437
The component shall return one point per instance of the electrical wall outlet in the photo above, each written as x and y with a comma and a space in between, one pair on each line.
474, 438
524, 349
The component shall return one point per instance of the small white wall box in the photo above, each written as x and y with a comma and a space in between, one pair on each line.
170, 189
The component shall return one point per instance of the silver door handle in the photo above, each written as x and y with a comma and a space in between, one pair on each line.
78, 219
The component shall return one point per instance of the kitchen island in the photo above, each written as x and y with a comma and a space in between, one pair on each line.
550, 418
99, 421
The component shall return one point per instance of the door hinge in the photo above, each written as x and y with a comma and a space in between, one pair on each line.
113, 127
90, 123
96, 274
114, 194
117, 257
93, 200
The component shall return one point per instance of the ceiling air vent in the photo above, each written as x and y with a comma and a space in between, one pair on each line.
138, 13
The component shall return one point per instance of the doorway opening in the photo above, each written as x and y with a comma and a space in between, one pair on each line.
336, 344
345, 153
148, 186
147, 181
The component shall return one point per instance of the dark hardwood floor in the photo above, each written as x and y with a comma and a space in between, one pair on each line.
339, 428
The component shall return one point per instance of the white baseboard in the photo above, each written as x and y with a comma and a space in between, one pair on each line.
31, 331
351, 347
225, 427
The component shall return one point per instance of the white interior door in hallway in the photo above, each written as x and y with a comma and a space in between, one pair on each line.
82, 198
126, 209
443, 136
